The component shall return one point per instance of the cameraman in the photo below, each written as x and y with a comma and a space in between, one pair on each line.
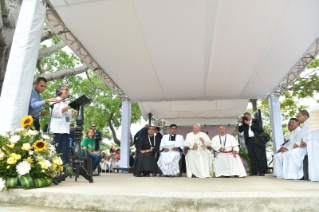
256, 153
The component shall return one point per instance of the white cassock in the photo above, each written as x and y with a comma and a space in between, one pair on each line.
199, 161
225, 164
293, 137
293, 162
168, 162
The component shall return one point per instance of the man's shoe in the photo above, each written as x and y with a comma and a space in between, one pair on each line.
55, 180
84, 173
253, 174
193, 176
261, 174
302, 178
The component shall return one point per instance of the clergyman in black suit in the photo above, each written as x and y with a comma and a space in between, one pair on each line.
251, 128
98, 137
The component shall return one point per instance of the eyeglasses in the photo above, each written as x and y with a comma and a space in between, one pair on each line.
93, 126
65, 89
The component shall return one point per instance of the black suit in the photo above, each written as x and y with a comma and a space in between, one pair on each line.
257, 154
98, 138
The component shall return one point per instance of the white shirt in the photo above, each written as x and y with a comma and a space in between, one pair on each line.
228, 141
250, 132
192, 139
305, 128
58, 122
294, 138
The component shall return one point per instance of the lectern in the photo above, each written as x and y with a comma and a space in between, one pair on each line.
79, 105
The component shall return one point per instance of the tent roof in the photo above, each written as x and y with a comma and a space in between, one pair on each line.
174, 50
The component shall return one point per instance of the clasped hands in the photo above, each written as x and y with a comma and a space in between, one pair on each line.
146, 151
303, 144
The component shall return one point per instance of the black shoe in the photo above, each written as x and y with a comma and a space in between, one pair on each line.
302, 178
84, 173
253, 174
55, 180
261, 174
193, 176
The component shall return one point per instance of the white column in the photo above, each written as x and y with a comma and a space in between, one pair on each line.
275, 118
125, 134
17, 85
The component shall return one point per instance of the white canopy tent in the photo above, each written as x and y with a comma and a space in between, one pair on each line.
203, 58
155, 50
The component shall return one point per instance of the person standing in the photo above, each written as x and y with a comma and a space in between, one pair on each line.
60, 123
36, 101
257, 154
98, 138
141, 134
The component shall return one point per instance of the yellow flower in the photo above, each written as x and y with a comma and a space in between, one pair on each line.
43, 165
11, 145
29, 160
57, 161
60, 169
11, 160
8, 167
26, 146
40, 145
15, 156
43, 171
26, 121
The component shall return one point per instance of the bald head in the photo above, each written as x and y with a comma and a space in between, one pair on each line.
221, 129
196, 128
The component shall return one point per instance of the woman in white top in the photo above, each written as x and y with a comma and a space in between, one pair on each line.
60, 123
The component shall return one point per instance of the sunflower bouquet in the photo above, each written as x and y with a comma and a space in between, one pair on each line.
27, 158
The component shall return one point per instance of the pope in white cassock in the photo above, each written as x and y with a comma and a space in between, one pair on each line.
228, 162
171, 147
293, 138
198, 158
293, 162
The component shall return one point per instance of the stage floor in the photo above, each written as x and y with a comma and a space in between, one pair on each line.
123, 192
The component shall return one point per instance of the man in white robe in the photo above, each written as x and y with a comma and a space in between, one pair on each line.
228, 162
293, 162
293, 137
171, 147
198, 158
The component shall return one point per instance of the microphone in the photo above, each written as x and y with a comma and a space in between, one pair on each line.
70, 96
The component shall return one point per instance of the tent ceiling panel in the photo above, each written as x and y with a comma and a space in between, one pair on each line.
194, 109
164, 50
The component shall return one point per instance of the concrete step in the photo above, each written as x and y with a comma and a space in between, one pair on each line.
123, 192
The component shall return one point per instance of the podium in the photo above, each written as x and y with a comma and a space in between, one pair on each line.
79, 105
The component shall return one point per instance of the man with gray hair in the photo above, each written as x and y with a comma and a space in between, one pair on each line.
228, 161
198, 157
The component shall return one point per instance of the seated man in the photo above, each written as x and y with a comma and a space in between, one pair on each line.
198, 158
147, 147
293, 137
293, 162
171, 146
228, 162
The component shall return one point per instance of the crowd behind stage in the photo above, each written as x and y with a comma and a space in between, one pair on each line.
169, 155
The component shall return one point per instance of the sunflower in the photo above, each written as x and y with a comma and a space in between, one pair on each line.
40, 145
26, 121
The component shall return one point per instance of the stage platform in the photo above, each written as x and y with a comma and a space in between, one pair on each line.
123, 192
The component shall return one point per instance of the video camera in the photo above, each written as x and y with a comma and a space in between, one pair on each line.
244, 118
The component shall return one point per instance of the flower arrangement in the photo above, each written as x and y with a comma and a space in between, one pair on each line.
27, 158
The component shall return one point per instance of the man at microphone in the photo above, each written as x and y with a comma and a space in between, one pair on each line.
36, 101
